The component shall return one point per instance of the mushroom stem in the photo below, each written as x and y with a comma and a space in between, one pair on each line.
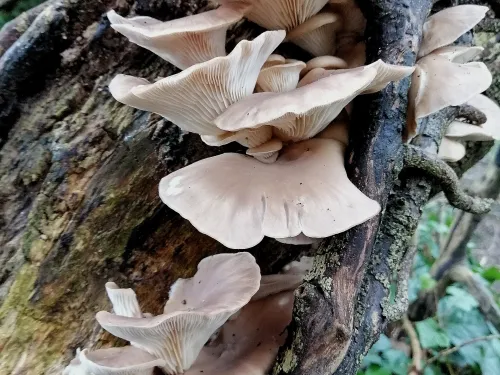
415, 157
472, 114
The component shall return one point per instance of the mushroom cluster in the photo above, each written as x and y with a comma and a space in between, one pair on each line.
226, 319
289, 114
445, 76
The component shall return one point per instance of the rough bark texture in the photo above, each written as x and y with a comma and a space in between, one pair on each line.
79, 204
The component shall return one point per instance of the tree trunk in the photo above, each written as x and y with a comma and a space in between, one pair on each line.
79, 175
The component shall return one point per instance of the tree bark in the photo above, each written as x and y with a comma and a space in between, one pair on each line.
79, 203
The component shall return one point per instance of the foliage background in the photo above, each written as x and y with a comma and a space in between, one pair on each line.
13, 9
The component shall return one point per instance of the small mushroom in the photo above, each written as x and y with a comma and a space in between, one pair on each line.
324, 62
278, 14
317, 34
280, 78
353, 27
267, 152
446, 26
337, 130
246, 137
488, 131
450, 150
124, 301
113, 361
193, 98
353, 54
304, 112
238, 200
273, 60
289, 279
196, 308
248, 344
183, 42
438, 83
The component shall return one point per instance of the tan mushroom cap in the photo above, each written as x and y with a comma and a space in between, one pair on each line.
246, 137
127, 360
183, 42
280, 78
273, 60
438, 83
289, 279
238, 200
353, 20
325, 62
124, 301
337, 130
446, 26
267, 152
197, 307
450, 150
459, 54
278, 14
248, 345
488, 131
353, 54
317, 34
192, 99
302, 113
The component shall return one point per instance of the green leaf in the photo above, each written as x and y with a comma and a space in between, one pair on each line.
382, 344
397, 361
491, 274
372, 359
432, 370
376, 370
461, 299
427, 282
431, 335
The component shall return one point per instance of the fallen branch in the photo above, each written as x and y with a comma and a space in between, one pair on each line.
456, 348
416, 350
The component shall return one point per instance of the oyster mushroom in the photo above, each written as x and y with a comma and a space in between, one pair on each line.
124, 301
196, 308
113, 361
277, 14
448, 25
304, 112
193, 98
450, 150
488, 131
280, 78
182, 42
238, 200
248, 344
317, 34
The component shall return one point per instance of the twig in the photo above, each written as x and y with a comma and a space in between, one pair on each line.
447, 352
471, 114
438, 169
416, 350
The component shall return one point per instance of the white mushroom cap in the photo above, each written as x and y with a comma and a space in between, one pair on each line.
278, 14
246, 137
267, 152
273, 60
113, 361
197, 307
238, 200
325, 62
124, 301
193, 98
317, 34
438, 83
301, 239
337, 130
451, 150
184, 41
459, 54
446, 26
304, 112
488, 131
248, 345
280, 78
291, 277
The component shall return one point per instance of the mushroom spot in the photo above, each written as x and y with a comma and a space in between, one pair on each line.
174, 187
